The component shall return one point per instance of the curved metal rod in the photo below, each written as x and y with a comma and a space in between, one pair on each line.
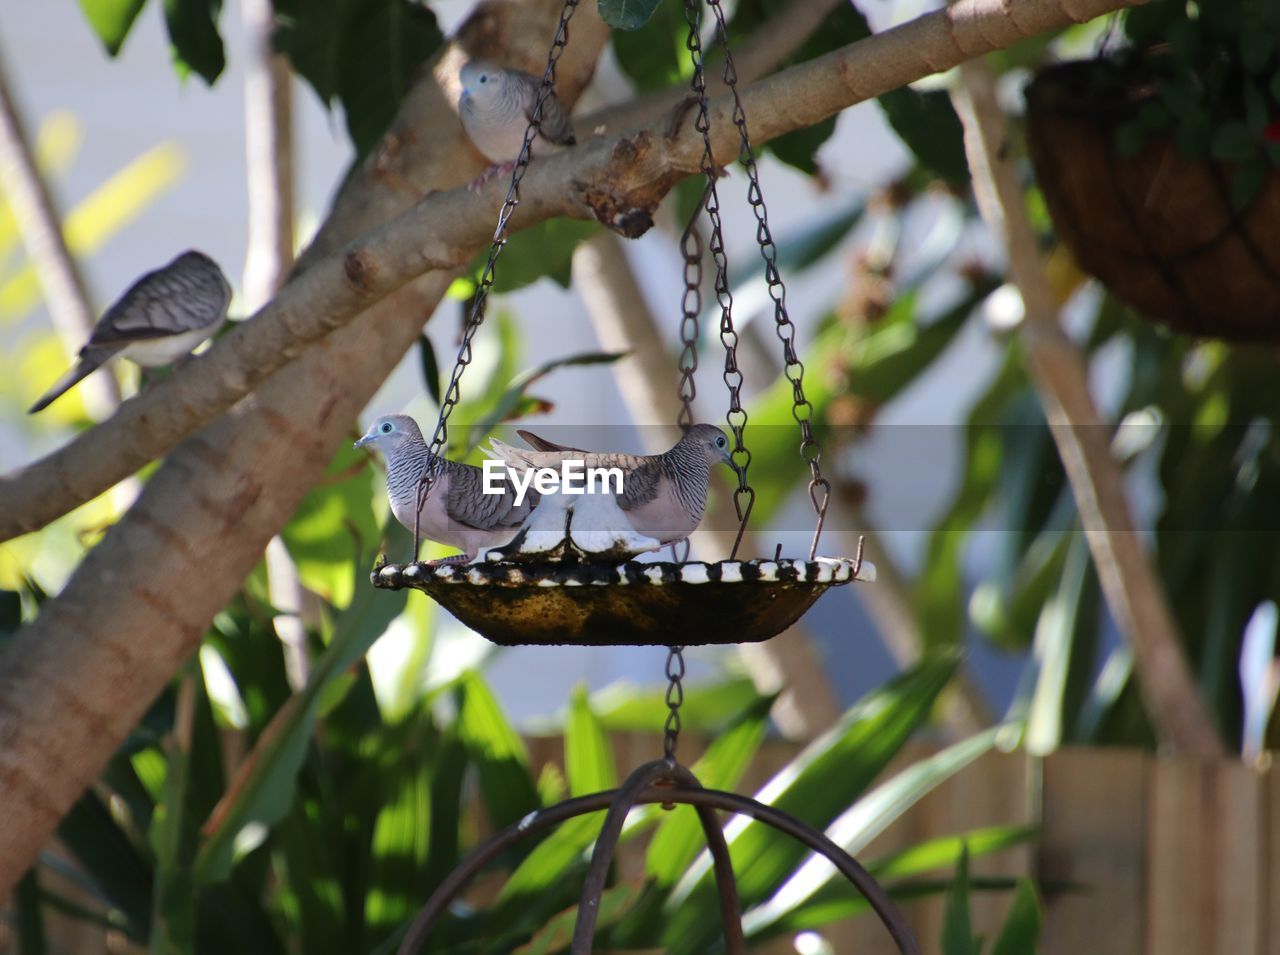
640, 781
801, 831
735, 941
584, 926
862, 880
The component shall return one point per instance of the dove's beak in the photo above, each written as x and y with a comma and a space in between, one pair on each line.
363, 441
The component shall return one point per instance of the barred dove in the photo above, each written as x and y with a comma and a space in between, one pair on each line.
160, 319
457, 510
496, 107
663, 495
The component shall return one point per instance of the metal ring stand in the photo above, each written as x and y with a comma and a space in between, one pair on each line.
668, 783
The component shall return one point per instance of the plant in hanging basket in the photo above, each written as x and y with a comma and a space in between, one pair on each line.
1160, 165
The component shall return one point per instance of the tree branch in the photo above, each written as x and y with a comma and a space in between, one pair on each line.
41, 229
617, 180
1133, 592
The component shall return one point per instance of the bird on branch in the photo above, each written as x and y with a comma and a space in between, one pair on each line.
158, 321
496, 108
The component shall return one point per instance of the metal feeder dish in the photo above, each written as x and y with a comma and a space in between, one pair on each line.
644, 604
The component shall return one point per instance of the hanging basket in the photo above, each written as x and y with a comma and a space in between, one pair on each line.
1157, 229
632, 604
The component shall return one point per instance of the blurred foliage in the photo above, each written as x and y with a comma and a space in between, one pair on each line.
362, 54
1213, 72
1017, 936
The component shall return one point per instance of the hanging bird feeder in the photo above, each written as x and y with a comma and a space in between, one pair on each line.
566, 592
654, 604
571, 593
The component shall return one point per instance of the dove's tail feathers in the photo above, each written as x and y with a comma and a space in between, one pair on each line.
508, 454
83, 368
542, 444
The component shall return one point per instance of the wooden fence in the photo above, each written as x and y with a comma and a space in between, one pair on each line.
1138, 855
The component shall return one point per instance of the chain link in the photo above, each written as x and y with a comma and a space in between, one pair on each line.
793, 368
690, 308
675, 697
745, 496
452, 394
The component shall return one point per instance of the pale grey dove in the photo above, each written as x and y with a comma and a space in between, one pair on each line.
496, 107
457, 510
160, 319
663, 495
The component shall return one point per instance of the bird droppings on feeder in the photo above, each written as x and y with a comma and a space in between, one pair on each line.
628, 604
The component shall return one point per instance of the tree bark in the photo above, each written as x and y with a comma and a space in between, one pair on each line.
75, 681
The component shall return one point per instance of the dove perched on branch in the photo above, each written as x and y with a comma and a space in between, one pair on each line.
159, 320
457, 510
663, 495
496, 108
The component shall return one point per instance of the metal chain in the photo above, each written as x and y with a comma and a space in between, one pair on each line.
691, 308
480, 299
675, 697
801, 408
745, 496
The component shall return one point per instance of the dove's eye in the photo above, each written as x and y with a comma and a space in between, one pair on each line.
721, 441
484, 79
387, 427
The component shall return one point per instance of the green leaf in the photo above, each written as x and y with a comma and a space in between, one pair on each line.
656, 58
448, 775
588, 758
430, 368
112, 20
589, 767
1130, 137
927, 123
543, 251
362, 53
1257, 45
173, 831
1234, 142
264, 789
1021, 927
627, 14
193, 33
121, 873
869, 817
333, 527
1255, 109
944, 851
799, 148
1247, 181
27, 918
1063, 646
556, 935
496, 750
400, 845
957, 933
940, 599
817, 786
